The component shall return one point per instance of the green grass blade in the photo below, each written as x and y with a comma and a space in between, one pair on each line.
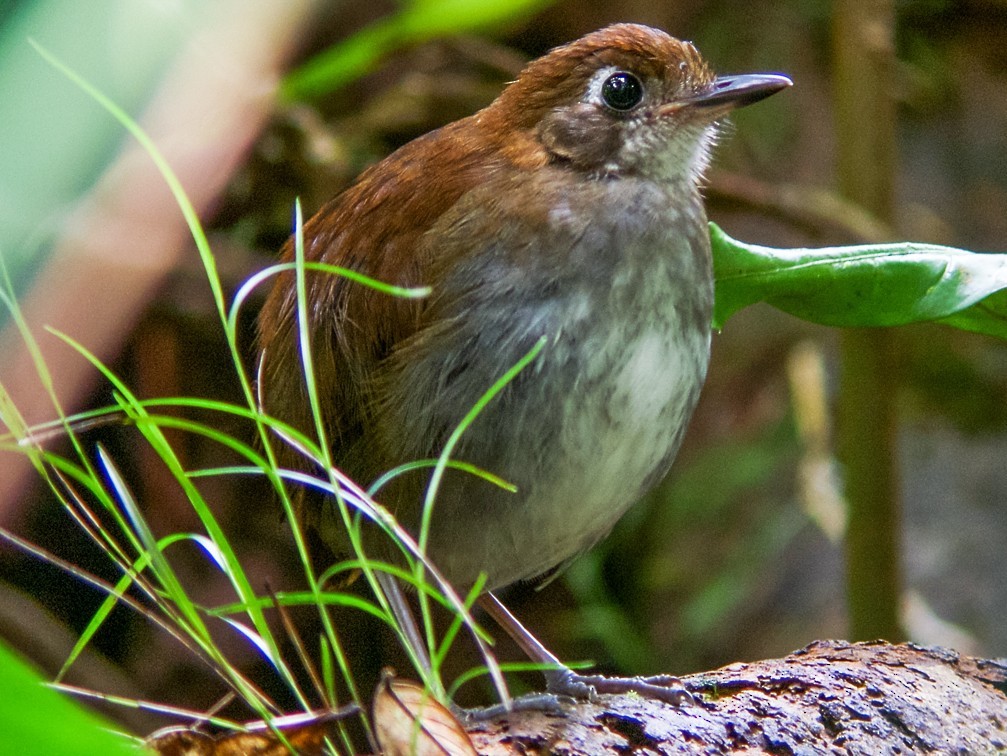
101, 614
419, 464
456, 434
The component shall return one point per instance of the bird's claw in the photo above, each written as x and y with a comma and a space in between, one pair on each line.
667, 688
549, 702
564, 686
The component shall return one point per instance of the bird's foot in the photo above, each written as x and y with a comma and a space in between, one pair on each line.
550, 703
564, 686
668, 688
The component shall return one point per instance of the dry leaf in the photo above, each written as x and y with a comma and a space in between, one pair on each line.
304, 732
408, 721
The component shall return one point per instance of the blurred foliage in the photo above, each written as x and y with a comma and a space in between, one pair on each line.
35, 718
417, 21
49, 157
694, 552
959, 379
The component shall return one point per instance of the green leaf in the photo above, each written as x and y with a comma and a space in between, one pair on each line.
417, 22
869, 285
35, 718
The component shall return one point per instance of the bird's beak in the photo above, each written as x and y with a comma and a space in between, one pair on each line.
729, 92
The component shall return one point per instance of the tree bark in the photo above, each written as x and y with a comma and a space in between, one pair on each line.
831, 697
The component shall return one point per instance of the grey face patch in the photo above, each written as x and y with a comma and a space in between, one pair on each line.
595, 138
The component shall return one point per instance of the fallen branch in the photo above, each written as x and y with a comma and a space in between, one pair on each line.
831, 697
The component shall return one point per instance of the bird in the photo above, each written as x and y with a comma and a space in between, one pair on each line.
563, 220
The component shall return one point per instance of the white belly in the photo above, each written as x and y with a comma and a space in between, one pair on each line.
620, 425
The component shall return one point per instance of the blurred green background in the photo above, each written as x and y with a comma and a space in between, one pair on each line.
735, 556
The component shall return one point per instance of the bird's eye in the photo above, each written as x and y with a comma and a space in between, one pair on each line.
622, 91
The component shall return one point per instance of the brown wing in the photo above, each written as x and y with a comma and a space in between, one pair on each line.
374, 227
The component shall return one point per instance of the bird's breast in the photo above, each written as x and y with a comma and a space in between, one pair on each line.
628, 379
594, 421
623, 299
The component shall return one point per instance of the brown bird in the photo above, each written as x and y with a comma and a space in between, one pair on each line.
567, 211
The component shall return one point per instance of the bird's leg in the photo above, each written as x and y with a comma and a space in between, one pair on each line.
405, 617
563, 681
